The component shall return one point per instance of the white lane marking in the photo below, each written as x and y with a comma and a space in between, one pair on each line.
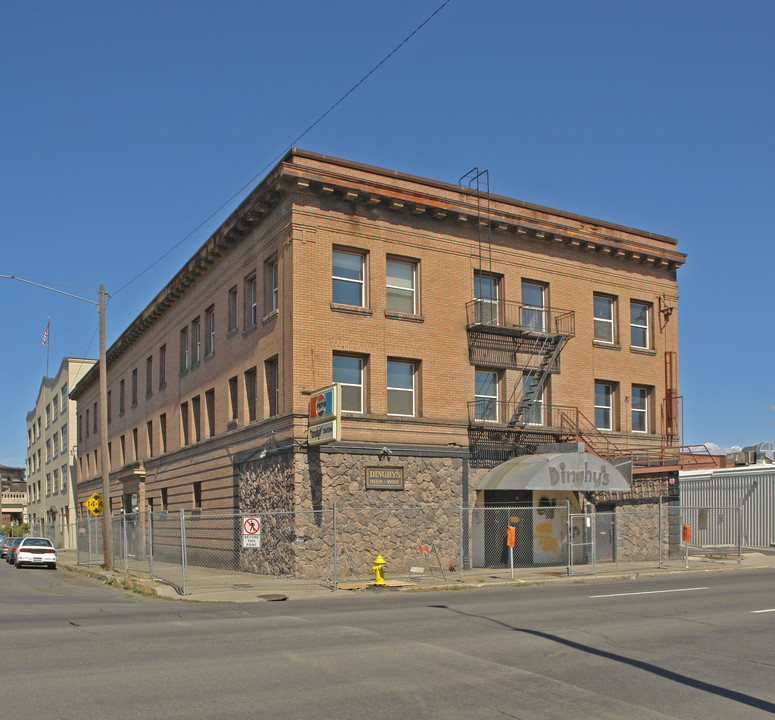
649, 592
756, 612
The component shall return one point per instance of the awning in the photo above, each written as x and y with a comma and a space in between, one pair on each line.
572, 471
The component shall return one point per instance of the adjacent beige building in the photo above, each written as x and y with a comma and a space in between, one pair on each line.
51, 454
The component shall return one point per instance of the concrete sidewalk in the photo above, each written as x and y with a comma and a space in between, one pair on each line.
212, 585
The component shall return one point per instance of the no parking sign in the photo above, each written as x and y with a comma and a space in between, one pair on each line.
251, 532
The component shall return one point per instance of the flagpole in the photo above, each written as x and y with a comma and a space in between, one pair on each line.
48, 344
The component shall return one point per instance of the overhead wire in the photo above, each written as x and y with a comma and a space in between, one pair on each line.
287, 147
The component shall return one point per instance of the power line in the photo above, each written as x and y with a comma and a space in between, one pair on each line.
290, 145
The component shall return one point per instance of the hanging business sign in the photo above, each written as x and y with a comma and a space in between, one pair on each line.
324, 410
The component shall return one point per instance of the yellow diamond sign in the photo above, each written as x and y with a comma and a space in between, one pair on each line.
94, 504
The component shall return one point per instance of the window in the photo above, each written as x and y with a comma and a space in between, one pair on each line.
210, 411
604, 319
148, 376
149, 432
401, 283
184, 423
534, 413
55, 488
135, 449
48, 415
251, 389
272, 296
232, 310
162, 367
87, 422
64, 439
233, 399
348, 278
64, 397
55, 444
163, 432
48, 484
196, 412
197, 494
164, 498
604, 406
56, 406
400, 388
122, 449
210, 331
110, 407
348, 371
272, 387
48, 449
134, 387
486, 395
533, 306
639, 325
250, 302
184, 350
121, 398
94, 419
640, 413
196, 341
64, 478
486, 294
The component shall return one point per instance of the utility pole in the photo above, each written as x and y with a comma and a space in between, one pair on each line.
103, 368
106, 519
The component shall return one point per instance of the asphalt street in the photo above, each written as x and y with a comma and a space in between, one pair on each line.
679, 646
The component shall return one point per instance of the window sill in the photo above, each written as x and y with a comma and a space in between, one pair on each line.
606, 345
409, 317
269, 317
162, 387
248, 330
354, 309
642, 351
231, 331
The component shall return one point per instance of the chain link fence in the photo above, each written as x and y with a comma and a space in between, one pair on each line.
194, 551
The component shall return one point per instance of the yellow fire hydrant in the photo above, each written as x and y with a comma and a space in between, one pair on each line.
379, 570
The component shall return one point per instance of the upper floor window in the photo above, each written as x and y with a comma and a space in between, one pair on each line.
533, 306
184, 350
639, 324
231, 325
48, 415
604, 393
121, 386
604, 310
534, 413
64, 397
487, 296
348, 371
196, 341
148, 376
640, 408
134, 387
56, 406
400, 280
271, 284
162, 367
272, 386
486, 395
348, 279
400, 388
250, 302
210, 330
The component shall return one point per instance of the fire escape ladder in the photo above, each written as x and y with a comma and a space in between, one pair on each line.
541, 362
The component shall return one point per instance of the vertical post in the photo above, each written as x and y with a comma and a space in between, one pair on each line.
739, 534
659, 534
183, 558
126, 553
106, 545
336, 550
88, 532
150, 542
570, 537
460, 548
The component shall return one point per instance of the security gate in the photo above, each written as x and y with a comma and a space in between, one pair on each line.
592, 540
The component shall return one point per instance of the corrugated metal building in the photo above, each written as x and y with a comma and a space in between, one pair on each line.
716, 492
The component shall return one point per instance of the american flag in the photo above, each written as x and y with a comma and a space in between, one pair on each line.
45, 335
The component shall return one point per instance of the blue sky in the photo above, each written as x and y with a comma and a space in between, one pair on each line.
125, 126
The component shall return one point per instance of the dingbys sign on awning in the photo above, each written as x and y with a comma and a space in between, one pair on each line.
571, 471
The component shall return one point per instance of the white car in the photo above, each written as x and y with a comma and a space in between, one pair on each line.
36, 551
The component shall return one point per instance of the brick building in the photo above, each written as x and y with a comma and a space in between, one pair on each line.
464, 329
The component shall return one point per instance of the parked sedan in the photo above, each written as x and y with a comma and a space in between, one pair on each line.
10, 554
36, 551
4, 544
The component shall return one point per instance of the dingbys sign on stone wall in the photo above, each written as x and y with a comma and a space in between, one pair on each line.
384, 478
